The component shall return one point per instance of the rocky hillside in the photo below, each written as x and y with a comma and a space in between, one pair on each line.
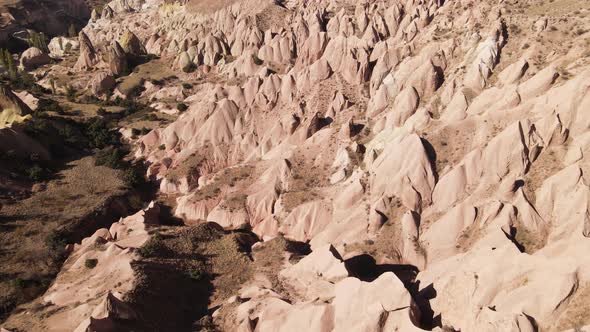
52, 17
384, 165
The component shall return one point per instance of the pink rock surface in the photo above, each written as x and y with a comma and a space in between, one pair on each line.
422, 135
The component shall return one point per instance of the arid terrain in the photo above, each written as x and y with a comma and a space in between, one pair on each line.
295, 165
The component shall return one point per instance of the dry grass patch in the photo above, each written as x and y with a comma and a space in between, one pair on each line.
547, 164
191, 269
29, 227
530, 241
154, 70
575, 314
388, 243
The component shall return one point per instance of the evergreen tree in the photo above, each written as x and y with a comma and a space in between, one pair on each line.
12, 70
72, 31
3, 61
7, 62
38, 40
52, 82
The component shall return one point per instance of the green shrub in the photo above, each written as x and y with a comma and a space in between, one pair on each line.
132, 177
19, 283
36, 173
112, 158
196, 274
8, 63
50, 105
153, 247
90, 263
101, 111
38, 40
70, 93
151, 117
56, 243
187, 85
72, 136
99, 135
181, 107
72, 31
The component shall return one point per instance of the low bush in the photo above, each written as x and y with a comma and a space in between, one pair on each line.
90, 263
151, 117
71, 93
101, 111
37, 173
110, 157
50, 105
99, 135
56, 243
133, 177
181, 107
196, 274
154, 247
19, 283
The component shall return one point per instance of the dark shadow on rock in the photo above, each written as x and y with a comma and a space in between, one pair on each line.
168, 299
365, 268
356, 128
422, 298
167, 216
431, 153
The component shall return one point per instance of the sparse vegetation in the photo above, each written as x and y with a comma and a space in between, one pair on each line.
19, 283
70, 93
72, 33
154, 247
181, 107
99, 135
196, 274
90, 263
110, 157
133, 177
36, 173
7, 61
38, 40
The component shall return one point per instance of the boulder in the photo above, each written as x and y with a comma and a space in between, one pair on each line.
131, 44
88, 57
117, 59
102, 83
60, 46
94, 15
33, 58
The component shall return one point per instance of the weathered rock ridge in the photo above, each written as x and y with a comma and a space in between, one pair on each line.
434, 165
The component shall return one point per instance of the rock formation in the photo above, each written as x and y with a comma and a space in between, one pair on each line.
131, 44
59, 46
102, 83
34, 57
88, 57
431, 165
117, 59
12, 108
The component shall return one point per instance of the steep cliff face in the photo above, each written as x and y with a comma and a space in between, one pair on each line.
52, 17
